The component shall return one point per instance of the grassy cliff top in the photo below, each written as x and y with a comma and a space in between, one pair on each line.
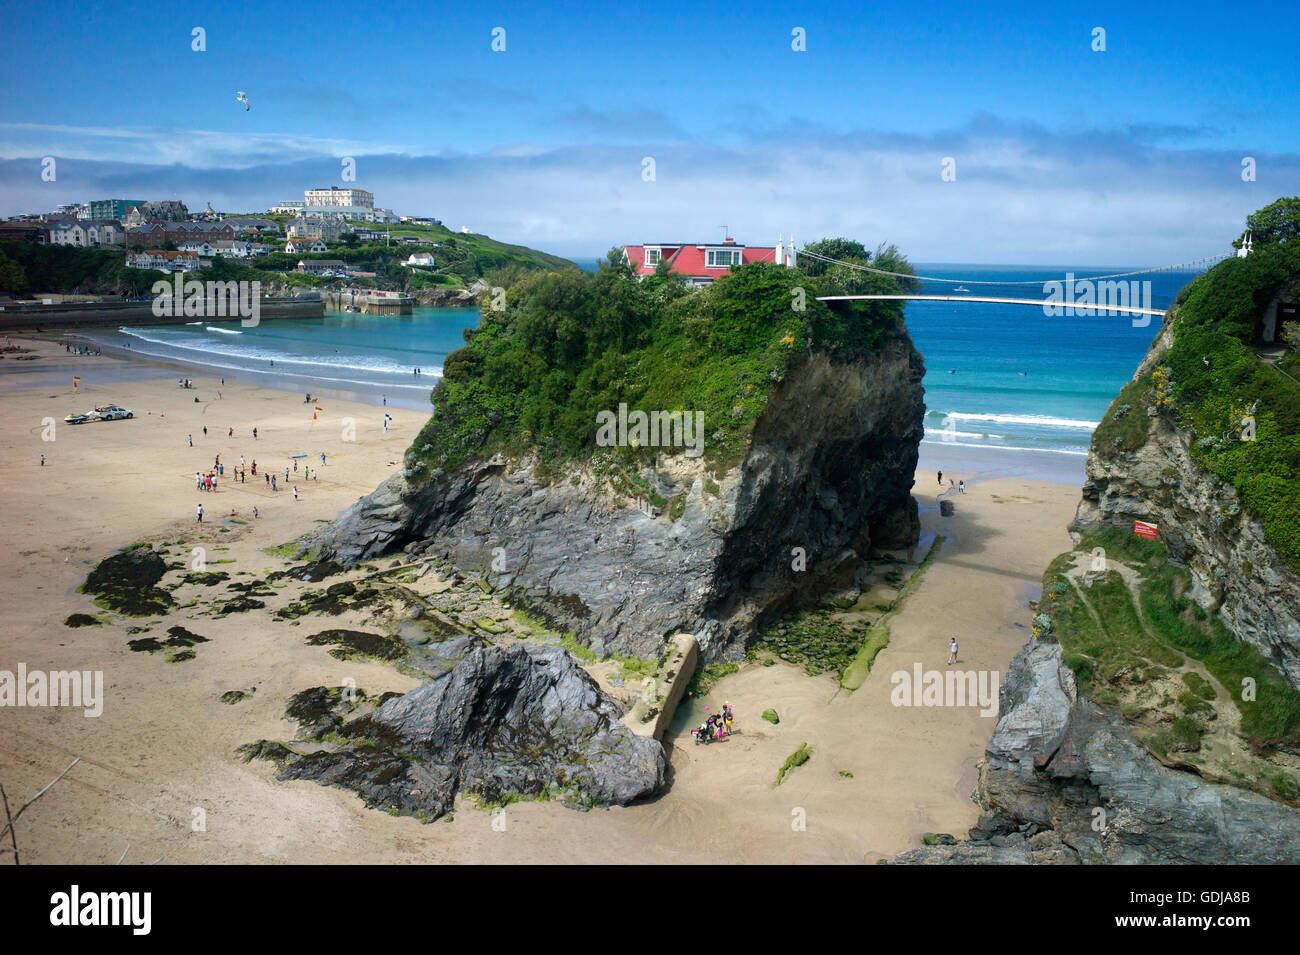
1243, 413
568, 346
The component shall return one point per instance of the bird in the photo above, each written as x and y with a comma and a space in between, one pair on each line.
243, 98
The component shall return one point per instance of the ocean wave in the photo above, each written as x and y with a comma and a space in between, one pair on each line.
1003, 447
224, 331
964, 434
1042, 421
254, 354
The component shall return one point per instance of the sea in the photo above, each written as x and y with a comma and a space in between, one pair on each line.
1009, 389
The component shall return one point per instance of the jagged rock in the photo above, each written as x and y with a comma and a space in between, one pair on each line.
829, 470
520, 721
1060, 763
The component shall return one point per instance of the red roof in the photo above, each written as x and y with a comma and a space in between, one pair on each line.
691, 259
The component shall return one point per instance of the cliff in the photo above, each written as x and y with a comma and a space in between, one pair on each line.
829, 469
1155, 717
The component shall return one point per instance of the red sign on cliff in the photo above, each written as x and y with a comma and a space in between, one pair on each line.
1143, 529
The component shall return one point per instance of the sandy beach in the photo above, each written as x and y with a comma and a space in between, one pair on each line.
162, 753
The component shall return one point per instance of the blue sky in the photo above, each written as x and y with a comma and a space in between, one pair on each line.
1062, 154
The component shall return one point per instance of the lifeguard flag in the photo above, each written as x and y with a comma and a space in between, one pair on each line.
320, 409
1143, 529
75, 381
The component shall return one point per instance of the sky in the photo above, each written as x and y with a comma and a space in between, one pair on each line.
961, 131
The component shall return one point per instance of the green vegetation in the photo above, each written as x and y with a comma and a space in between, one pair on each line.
1128, 645
704, 678
792, 762
460, 260
570, 345
1243, 414
27, 268
771, 716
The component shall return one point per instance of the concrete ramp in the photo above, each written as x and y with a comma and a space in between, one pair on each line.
654, 708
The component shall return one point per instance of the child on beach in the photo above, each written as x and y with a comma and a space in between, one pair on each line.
952, 651
295, 492
199, 512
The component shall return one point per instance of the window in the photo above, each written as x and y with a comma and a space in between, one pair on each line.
652, 257
723, 258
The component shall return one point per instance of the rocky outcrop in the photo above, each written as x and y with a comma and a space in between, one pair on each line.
1234, 570
828, 476
1063, 781
525, 721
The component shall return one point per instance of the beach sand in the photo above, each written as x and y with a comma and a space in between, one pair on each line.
161, 756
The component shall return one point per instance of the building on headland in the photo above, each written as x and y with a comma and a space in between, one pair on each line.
162, 261
352, 205
327, 229
420, 259
157, 234
111, 208
701, 263
306, 244
334, 196
322, 266
86, 233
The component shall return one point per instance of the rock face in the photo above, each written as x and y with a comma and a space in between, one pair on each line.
523, 721
1063, 781
1235, 571
829, 470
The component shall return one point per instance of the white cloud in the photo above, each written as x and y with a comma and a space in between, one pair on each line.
1023, 194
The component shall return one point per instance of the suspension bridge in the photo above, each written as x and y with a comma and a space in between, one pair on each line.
1113, 293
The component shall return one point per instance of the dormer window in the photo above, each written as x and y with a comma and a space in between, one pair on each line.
653, 255
722, 258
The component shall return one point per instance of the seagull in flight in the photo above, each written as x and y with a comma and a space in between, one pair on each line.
240, 95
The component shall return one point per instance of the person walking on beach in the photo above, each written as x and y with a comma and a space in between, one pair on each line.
952, 651
961, 487
42, 460
267, 475
940, 478
254, 434
295, 492
254, 512
191, 437
230, 433
205, 431
273, 487
199, 511
322, 457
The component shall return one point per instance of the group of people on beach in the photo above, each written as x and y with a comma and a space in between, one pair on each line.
80, 349
185, 383
716, 727
959, 487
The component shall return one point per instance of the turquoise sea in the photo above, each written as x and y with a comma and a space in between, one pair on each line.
1002, 381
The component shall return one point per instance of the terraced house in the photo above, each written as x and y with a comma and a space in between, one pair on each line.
86, 233
157, 234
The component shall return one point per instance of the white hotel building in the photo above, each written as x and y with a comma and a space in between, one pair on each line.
357, 205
